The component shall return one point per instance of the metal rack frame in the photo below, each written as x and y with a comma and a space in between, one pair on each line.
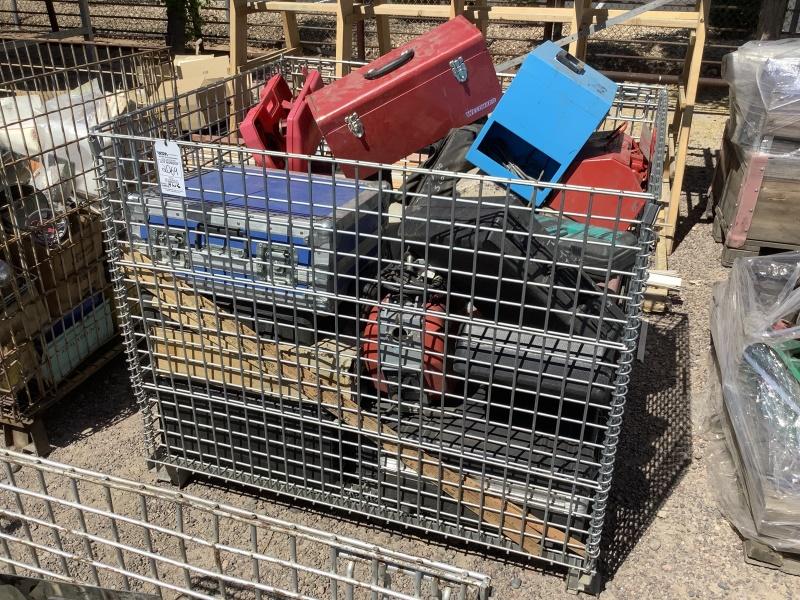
78, 526
51, 237
194, 348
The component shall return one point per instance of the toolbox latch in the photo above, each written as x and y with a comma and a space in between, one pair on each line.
459, 69
354, 124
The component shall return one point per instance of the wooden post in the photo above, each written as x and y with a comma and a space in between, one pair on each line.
578, 47
51, 15
238, 35
553, 31
238, 57
683, 121
86, 20
15, 14
481, 11
456, 8
383, 32
291, 35
344, 35
770, 19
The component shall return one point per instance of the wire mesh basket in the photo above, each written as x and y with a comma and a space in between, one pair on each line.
456, 361
73, 525
57, 309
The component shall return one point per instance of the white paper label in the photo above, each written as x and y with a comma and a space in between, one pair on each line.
170, 168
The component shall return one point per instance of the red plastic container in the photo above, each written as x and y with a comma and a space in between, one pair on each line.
612, 160
283, 124
261, 128
408, 98
302, 134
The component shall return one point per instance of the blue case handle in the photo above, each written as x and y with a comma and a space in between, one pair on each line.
569, 61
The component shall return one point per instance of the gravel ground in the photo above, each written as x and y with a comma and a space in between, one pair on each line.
663, 531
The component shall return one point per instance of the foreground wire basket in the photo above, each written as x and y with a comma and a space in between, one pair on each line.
457, 363
56, 309
78, 526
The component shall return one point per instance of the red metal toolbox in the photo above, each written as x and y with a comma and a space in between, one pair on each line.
611, 160
408, 98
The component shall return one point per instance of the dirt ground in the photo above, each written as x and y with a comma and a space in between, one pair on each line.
664, 536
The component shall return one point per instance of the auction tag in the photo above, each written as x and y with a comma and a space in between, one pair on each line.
170, 168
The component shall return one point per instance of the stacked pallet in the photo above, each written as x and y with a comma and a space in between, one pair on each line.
755, 190
755, 384
57, 323
57, 312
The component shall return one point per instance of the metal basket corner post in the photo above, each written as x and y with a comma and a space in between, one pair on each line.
75, 526
55, 309
455, 362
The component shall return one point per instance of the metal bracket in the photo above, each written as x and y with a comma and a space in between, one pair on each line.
746, 203
459, 69
354, 124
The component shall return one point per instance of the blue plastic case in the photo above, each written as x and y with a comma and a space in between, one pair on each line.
543, 120
272, 236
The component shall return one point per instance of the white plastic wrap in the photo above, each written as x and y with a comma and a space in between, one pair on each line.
764, 79
56, 133
755, 325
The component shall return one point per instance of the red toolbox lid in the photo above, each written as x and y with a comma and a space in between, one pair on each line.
355, 92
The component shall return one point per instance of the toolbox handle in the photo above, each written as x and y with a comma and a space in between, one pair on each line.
405, 56
569, 61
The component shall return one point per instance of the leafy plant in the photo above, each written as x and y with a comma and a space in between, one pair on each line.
184, 21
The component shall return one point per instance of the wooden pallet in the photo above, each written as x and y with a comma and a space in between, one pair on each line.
752, 247
761, 555
30, 434
756, 207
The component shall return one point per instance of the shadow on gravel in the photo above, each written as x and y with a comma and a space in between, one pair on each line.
99, 403
697, 183
655, 445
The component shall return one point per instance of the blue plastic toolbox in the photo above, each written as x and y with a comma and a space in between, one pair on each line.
543, 120
264, 234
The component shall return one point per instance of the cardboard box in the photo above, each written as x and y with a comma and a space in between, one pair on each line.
207, 105
82, 249
23, 318
18, 365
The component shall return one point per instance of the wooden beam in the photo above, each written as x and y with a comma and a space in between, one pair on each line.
425, 11
480, 15
770, 19
580, 16
536, 14
456, 8
313, 8
344, 36
691, 78
238, 58
383, 33
238, 35
655, 18
291, 35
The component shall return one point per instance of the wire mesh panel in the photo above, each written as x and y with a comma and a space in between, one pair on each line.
420, 345
56, 308
79, 526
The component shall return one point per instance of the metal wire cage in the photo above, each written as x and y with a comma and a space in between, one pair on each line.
56, 308
73, 525
452, 361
